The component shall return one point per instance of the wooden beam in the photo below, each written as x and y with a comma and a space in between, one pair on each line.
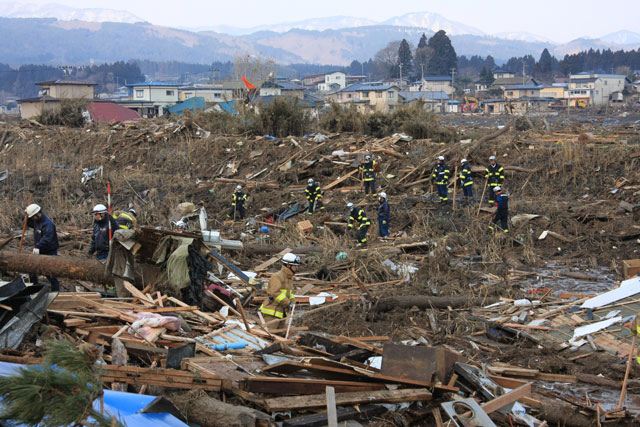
505, 399
340, 180
319, 400
299, 386
332, 412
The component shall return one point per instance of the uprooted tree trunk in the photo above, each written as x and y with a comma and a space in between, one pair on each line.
488, 138
209, 412
420, 301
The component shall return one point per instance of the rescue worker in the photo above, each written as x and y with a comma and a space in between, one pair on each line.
280, 291
357, 214
314, 196
103, 228
383, 215
368, 169
441, 175
238, 198
45, 239
502, 210
494, 174
126, 220
466, 181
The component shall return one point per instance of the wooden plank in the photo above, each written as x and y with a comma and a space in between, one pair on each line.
365, 412
300, 386
340, 180
268, 263
136, 293
319, 400
171, 378
505, 399
332, 412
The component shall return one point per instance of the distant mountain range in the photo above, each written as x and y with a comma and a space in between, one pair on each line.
73, 36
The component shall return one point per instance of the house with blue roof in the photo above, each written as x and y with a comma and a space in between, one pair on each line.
281, 88
151, 99
368, 97
432, 101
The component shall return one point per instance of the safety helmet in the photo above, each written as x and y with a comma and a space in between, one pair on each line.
367, 157
441, 158
181, 224
32, 209
497, 188
133, 211
463, 161
99, 209
383, 194
310, 181
492, 158
238, 187
349, 205
291, 259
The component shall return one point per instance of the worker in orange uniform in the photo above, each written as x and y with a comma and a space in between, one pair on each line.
280, 291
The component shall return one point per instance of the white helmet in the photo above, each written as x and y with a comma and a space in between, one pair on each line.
310, 181
367, 158
291, 259
492, 158
497, 188
181, 224
99, 209
32, 209
133, 211
349, 205
238, 187
463, 161
441, 158
383, 194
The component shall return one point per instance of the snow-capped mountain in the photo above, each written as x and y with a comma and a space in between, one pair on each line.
314, 24
65, 13
523, 36
434, 22
622, 37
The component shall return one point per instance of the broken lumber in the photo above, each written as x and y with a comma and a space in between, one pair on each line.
488, 138
420, 301
319, 400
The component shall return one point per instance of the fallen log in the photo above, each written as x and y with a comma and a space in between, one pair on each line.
557, 413
273, 249
420, 301
89, 270
488, 138
56, 266
209, 412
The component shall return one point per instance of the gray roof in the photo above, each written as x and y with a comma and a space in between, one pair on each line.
362, 87
425, 95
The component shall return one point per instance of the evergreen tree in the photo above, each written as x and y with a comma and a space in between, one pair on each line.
444, 55
405, 59
423, 41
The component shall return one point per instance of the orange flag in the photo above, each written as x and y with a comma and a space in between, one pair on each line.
247, 84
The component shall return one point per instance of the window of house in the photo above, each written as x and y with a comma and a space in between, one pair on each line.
391, 94
605, 82
379, 94
510, 93
349, 96
217, 95
169, 93
139, 93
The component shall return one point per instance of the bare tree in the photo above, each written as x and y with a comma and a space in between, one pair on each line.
387, 58
254, 68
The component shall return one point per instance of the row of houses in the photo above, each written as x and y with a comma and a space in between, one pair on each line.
435, 93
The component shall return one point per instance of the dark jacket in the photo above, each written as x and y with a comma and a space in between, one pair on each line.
494, 174
313, 192
502, 202
383, 211
441, 174
238, 197
465, 175
100, 236
44, 235
369, 170
358, 215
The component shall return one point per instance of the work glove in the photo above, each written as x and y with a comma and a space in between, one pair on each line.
384, 222
36, 251
350, 226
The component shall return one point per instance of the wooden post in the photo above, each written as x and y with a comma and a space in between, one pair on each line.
293, 310
24, 226
455, 186
242, 314
486, 181
623, 392
332, 412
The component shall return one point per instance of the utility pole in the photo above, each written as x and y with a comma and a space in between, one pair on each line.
213, 70
400, 74
523, 71
453, 82
422, 72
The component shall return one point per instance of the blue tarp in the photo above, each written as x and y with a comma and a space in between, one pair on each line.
127, 407
191, 104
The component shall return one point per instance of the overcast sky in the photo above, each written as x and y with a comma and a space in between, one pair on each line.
560, 21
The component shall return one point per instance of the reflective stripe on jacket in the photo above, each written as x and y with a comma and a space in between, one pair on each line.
358, 215
238, 197
279, 293
441, 174
368, 170
495, 175
465, 175
313, 192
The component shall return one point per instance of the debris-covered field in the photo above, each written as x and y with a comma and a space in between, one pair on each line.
442, 310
